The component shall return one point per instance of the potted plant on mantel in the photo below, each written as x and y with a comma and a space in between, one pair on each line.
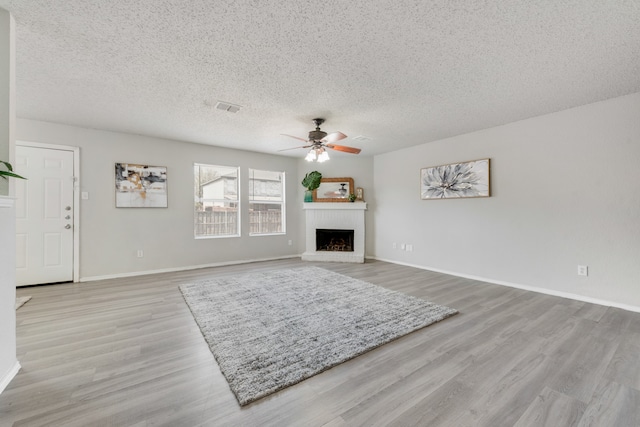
311, 182
9, 171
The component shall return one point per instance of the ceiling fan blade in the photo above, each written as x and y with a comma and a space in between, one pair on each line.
333, 137
344, 148
294, 137
295, 148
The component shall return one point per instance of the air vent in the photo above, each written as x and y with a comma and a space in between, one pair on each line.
361, 138
225, 106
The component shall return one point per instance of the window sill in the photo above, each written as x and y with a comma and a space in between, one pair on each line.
226, 236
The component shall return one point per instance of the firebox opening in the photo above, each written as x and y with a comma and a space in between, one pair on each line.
334, 240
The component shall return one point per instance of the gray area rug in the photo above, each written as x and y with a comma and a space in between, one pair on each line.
273, 329
20, 301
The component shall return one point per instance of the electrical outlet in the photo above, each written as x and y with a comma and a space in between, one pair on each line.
409, 248
403, 246
395, 245
290, 242
583, 270
140, 253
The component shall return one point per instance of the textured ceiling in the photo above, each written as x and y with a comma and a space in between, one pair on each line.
399, 72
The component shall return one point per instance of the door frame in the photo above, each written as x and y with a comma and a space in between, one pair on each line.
76, 197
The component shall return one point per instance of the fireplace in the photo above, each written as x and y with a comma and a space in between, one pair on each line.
334, 240
345, 221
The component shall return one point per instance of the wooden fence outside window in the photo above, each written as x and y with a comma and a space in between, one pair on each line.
224, 223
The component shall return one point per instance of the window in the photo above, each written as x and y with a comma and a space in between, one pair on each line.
216, 201
266, 202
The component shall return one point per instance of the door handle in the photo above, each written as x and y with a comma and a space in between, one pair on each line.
68, 226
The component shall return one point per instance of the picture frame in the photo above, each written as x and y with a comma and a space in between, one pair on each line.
468, 179
333, 190
140, 186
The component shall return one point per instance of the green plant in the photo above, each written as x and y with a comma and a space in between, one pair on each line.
352, 197
311, 180
9, 171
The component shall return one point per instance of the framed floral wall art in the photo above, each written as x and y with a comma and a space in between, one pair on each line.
456, 180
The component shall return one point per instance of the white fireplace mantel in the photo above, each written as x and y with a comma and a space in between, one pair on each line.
362, 206
336, 216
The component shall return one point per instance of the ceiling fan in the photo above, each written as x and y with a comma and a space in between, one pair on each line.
319, 140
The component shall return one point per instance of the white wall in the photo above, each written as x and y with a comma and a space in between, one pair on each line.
8, 363
110, 237
358, 167
7, 91
565, 192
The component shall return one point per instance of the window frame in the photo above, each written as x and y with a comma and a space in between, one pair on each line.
282, 203
237, 201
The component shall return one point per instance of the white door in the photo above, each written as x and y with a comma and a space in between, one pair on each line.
44, 215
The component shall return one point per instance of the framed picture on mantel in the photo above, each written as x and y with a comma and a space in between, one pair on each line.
333, 190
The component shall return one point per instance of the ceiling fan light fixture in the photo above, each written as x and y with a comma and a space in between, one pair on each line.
318, 140
311, 155
323, 157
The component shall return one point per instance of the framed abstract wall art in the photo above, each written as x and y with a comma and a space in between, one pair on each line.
141, 186
456, 180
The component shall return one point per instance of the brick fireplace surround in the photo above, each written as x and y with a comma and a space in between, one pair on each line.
335, 216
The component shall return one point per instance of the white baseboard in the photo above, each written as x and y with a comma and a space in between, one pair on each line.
11, 373
523, 287
174, 269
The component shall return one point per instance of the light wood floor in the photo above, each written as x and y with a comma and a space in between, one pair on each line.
127, 352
